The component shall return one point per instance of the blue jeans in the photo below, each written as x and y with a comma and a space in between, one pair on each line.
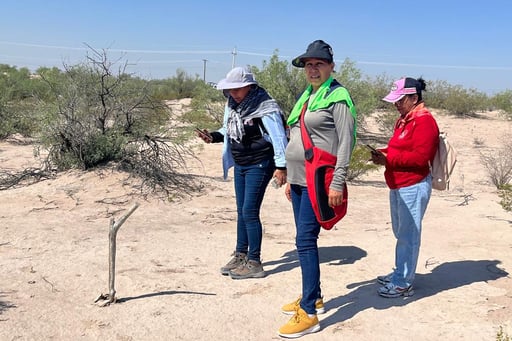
308, 230
250, 184
408, 206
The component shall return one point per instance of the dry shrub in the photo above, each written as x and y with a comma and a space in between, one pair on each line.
498, 163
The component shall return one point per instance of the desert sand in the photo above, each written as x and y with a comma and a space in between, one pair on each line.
54, 257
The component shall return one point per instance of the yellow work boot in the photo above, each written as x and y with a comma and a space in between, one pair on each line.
291, 308
299, 325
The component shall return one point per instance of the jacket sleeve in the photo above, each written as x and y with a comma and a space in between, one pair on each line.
273, 123
344, 125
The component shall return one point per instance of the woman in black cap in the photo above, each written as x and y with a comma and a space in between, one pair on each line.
329, 115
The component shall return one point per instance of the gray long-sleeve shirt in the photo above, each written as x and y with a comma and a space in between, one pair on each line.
331, 129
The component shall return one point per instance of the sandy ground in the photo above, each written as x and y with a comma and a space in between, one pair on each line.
54, 258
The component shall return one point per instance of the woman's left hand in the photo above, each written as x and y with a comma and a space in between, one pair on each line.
335, 198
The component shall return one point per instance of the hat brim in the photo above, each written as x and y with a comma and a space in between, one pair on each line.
225, 85
393, 97
299, 61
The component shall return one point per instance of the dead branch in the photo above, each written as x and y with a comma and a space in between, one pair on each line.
109, 298
157, 164
467, 198
51, 284
25, 177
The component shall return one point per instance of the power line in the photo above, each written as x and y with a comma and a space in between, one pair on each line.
236, 52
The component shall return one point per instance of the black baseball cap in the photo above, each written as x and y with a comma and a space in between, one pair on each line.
318, 49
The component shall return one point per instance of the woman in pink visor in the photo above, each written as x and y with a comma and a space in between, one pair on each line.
406, 159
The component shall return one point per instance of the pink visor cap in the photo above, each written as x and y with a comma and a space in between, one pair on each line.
400, 88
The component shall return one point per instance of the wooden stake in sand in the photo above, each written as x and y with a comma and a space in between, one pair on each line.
104, 300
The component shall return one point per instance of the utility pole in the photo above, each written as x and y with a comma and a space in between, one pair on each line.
234, 56
204, 70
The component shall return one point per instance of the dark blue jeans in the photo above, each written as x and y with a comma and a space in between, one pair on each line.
308, 230
250, 185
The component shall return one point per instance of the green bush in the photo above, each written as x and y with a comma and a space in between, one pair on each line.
180, 86
498, 163
386, 121
502, 336
91, 113
367, 93
455, 99
206, 108
359, 164
505, 193
503, 102
18, 109
282, 81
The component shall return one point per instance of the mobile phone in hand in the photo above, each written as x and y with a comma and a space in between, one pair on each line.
203, 134
373, 150
274, 183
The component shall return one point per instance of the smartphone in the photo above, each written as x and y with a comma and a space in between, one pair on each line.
274, 183
202, 133
373, 150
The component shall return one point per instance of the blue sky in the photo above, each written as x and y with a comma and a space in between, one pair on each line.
465, 43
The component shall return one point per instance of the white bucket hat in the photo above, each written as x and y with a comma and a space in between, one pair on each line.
237, 78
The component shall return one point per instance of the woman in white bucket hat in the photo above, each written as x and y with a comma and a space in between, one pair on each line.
254, 140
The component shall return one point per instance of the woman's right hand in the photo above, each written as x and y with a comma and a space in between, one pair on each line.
288, 192
378, 158
204, 135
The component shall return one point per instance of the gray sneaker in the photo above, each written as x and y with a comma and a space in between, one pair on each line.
391, 290
251, 269
385, 279
238, 259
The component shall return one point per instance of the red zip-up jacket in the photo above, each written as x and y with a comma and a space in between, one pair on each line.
412, 146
